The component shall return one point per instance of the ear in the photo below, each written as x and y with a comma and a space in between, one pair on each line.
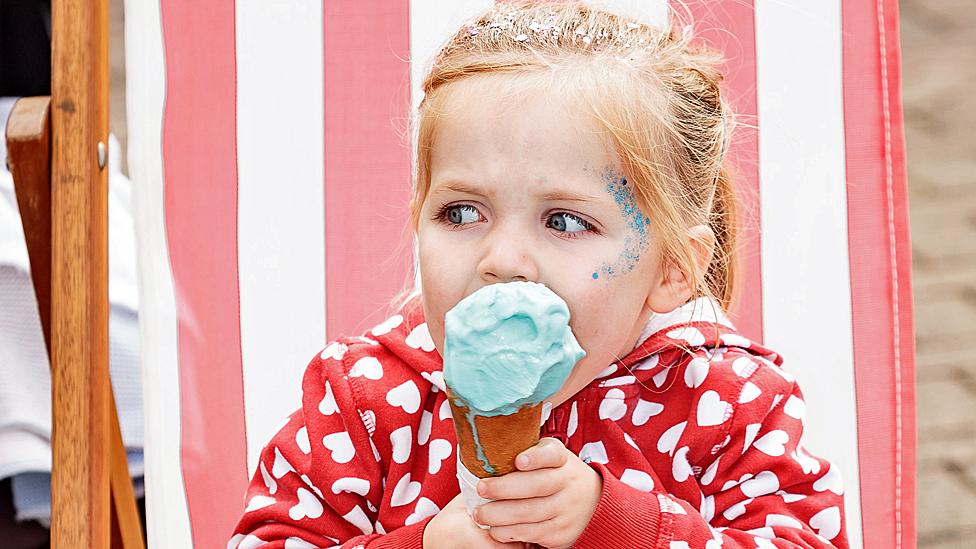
673, 287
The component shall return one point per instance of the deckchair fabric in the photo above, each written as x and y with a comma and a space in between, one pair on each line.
269, 149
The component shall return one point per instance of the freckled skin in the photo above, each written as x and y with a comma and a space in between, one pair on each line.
513, 153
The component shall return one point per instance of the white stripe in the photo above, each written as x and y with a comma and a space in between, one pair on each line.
806, 265
281, 206
168, 522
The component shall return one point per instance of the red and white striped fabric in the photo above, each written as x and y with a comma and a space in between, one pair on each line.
267, 152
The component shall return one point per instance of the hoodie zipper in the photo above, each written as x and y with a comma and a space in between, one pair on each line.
554, 426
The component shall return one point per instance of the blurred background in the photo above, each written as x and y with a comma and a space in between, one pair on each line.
939, 75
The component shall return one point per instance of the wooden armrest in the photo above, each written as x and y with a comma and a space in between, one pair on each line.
29, 160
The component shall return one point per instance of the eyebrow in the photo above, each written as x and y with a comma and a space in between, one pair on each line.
557, 195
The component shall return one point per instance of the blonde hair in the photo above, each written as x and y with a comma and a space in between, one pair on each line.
654, 92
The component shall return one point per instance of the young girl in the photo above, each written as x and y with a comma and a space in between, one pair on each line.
564, 145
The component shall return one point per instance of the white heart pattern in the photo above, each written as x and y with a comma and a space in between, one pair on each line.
790, 498
425, 508
749, 393
250, 541
445, 411
648, 363
830, 481
259, 502
669, 439
773, 519
613, 406
340, 445
439, 450
660, 377
405, 491
328, 405
357, 517
809, 464
423, 430
744, 366
629, 440
712, 410
751, 431
406, 396
298, 543
281, 466
795, 408
334, 351
402, 442
618, 381
772, 443
696, 372
735, 511
269, 482
827, 522
594, 452
419, 338
301, 440
367, 367
707, 511
308, 506
387, 325
645, 410
607, 371
762, 484
680, 468
638, 480
436, 378
709, 474
735, 340
573, 421
352, 485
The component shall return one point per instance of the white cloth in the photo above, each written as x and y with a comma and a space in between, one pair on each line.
25, 381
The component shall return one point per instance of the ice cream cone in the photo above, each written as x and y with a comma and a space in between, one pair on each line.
502, 438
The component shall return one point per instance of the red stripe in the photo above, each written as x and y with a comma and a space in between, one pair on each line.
730, 27
200, 170
367, 164
880, 252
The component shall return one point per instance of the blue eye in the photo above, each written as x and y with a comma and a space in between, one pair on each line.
461, 214
567, 223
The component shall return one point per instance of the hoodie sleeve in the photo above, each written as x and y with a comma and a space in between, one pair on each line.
293, 504
759, 488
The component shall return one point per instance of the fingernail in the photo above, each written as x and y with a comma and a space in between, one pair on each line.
522, 461
482, 489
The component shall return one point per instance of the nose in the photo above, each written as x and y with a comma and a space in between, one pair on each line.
508, 257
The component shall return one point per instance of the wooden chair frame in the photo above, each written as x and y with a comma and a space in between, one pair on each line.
57, 154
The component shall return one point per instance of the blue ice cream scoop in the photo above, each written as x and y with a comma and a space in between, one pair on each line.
508, 345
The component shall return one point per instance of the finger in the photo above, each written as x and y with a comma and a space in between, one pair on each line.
548, 452
522, 484
536, 532
516, 511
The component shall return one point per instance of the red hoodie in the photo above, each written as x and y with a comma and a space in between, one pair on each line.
695, 434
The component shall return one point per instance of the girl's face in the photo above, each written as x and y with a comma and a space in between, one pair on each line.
528, 190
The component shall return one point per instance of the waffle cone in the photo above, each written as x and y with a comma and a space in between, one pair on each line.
502, 438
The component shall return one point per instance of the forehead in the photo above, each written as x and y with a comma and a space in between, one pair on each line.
496, 127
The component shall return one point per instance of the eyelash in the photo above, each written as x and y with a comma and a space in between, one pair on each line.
441, 217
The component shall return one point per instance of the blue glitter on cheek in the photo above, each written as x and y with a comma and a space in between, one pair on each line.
637, 223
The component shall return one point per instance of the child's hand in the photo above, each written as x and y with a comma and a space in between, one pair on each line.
453, 528
548, 501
